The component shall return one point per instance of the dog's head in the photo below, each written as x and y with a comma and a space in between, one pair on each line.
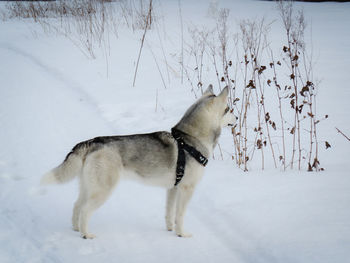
224, 114
208, 115
216, 107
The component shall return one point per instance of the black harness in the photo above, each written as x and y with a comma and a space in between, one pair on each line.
181, 158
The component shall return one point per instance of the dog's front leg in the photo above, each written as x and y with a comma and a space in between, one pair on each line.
170, 208
183, 197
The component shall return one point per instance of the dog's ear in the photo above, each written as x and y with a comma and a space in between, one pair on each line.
224, 93
208, 91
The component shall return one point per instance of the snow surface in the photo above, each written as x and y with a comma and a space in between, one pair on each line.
52, 96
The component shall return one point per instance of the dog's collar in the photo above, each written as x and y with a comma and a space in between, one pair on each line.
181, 160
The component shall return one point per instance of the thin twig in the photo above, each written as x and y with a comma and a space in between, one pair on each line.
182, 44
342, 134
143, 40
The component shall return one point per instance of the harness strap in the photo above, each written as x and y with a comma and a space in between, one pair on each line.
181, 158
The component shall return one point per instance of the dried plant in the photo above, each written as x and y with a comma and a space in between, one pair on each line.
256, 73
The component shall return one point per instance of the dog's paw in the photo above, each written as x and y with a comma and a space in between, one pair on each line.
88, 236
170, 227
184, 234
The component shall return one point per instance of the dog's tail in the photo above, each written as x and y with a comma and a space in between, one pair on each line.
70, 168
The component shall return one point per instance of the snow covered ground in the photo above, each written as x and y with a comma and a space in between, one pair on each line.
52, 96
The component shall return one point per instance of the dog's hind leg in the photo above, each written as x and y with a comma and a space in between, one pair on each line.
170, 208
183, 197
100, 175
88, 207
93, 201
76, 211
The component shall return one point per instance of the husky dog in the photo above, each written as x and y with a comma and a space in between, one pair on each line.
155, 158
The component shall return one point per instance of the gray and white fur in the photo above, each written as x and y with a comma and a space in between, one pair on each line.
101, 162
